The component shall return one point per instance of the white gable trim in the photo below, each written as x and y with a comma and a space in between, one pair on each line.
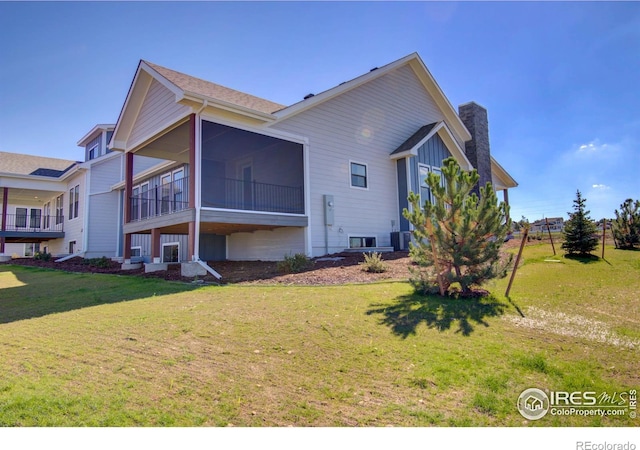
134, 100
421, 71
500, 177
447, 137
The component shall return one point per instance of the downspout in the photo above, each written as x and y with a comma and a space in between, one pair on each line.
198, 184
85, 219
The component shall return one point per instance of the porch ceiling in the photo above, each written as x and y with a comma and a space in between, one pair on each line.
28, 197
173, 145
214, 228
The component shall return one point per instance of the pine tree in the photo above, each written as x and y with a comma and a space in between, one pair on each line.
458, 236
580, 233
626, 226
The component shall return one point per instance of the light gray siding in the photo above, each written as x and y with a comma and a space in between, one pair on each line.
144, 241
159, 109
105, 173
363, 125
265, 245
103, 225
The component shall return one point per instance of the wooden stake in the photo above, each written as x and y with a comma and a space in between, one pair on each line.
551, 238
604, 234
515, 268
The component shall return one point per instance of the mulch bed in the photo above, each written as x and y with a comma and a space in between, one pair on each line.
339, 268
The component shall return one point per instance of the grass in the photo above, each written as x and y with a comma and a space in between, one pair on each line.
103, 350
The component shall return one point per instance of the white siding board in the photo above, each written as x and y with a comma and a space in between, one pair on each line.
105, 174
158, 109
103, 225
265, 245
391, 108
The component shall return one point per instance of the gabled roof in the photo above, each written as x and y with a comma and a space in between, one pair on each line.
417, 65
95, 131
505, 180
412, 142
21, 164
192, 86
411, 145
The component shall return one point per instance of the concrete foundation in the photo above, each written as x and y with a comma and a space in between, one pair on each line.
5, 258
155, 267
130, 266
192, 269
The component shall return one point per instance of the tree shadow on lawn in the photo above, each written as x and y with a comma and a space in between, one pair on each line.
408, 311
584, 259
32, 294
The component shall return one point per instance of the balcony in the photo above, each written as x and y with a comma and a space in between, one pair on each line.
164, 199
253, 196
227, 193
32, 228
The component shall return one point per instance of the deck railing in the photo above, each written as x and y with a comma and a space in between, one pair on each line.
33, 223
255, 196
224, 193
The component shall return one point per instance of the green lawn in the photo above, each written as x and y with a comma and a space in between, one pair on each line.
103, 350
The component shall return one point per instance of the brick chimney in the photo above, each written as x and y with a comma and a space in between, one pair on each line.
477, 149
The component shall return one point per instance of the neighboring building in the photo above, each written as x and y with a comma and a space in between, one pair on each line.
556, 224
243, 178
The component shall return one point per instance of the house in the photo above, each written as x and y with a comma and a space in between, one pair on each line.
193, 171
250, 179
556, 224
63, 207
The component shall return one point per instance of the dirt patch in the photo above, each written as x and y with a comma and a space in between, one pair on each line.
339, 268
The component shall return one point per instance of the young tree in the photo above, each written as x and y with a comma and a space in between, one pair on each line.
626, 226
579, 231
458, 236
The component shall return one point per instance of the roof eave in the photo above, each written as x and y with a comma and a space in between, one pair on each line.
299, 107
226, 106
500, 172
94, 131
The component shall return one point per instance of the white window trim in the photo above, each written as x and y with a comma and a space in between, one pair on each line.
136, 247
72, 201
96, 154
367, 176
167, 244
362, 236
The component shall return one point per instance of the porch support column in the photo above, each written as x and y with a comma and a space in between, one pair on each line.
127, 248
505, 195
192, 161
155, 245
5, 201
191, 245
128, 185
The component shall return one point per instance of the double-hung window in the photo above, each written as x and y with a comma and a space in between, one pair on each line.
359, 175
59, 209
74, 202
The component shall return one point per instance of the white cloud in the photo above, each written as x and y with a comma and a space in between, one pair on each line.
600, 186
593, 147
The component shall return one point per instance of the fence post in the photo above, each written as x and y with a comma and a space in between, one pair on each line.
515, 267
550, 238
604, 234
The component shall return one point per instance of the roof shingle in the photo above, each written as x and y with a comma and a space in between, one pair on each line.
212, 90
21, 164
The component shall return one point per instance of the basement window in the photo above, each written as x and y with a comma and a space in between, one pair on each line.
170, 252
362, 241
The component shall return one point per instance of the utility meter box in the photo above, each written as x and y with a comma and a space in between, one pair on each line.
329, 208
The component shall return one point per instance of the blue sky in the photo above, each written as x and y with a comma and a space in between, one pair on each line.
561, 81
